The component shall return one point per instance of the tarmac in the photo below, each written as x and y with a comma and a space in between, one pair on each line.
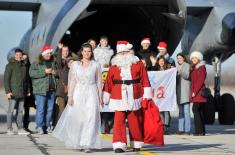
219, 140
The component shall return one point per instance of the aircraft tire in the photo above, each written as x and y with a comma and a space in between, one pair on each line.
226, 113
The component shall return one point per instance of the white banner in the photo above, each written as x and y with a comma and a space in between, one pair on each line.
164, 89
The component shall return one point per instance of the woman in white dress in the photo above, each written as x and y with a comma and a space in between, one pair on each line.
79, 125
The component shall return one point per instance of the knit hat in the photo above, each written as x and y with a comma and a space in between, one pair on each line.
162, 45
196, 54
145, 40
46, 50
123, 46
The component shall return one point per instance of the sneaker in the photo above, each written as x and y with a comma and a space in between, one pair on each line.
40, 131
87, 150
49, 130
10, 132
119, 150
180, 133
22, 132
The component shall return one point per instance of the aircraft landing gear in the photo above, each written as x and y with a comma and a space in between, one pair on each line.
225, 104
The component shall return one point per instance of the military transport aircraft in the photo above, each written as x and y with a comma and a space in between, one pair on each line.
204, 25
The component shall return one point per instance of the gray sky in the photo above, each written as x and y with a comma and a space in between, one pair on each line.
13, 25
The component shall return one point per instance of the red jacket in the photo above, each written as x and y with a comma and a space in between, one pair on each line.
122, 97
198, 77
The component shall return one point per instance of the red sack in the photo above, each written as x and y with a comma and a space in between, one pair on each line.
153, 127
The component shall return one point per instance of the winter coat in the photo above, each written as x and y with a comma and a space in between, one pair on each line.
183, 83
198, 77
39, 78
16, 79
63, 72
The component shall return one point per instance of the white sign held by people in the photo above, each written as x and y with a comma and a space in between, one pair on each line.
164, 89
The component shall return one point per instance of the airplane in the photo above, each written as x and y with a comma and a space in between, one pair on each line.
204, 25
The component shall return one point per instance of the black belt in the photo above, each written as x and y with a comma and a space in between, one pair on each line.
127, 82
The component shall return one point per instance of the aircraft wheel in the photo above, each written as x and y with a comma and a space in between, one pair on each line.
227, 111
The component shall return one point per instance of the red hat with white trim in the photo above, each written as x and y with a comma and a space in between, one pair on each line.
47, 49
123, 46
145, 40
162, 45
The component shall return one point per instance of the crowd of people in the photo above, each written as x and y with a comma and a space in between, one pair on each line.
69, 91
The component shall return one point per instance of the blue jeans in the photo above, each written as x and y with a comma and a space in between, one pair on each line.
45, 105
184, 117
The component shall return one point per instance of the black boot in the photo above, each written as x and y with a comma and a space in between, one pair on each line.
136, 149
119, 150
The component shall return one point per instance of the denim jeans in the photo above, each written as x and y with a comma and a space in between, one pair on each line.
45, 105
19, 105
166, 118
184, 117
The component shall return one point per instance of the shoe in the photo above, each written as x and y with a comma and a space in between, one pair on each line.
87, 150
49, 130
40, 131
119, 150
23, 132
10, 132
180, 133
136, 149
199, 134
187, 133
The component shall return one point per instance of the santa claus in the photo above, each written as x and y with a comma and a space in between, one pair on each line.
126, 86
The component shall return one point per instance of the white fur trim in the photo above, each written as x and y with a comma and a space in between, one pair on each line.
124, 47
121, 105
145, 41
147, 93
136, 144
124, 60
120, 145
196, 54
161, 48
46, 52
106, 97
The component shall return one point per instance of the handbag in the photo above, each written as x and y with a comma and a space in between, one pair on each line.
205, 92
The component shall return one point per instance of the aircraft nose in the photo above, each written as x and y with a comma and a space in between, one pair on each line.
228, 29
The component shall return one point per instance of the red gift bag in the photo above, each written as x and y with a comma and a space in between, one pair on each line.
153, 127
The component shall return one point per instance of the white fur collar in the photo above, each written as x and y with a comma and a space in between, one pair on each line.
202, 63
124, 60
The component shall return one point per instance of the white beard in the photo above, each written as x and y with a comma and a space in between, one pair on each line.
124, 61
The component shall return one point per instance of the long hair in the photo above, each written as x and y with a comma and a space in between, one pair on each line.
86, 45
165, 62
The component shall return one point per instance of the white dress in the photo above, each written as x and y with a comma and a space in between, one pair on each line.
79, 124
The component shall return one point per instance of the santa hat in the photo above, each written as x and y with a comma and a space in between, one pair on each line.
145, 40
196, 54
123, 46
162, 45
46, 50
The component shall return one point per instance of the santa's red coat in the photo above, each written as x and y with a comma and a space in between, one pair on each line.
122, 97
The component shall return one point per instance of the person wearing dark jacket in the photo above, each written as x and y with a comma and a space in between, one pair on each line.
15, 83
62, 59
44, 77
198, 77
144, 53
162, 48
29, 101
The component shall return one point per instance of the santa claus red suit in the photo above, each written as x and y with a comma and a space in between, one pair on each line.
126, 86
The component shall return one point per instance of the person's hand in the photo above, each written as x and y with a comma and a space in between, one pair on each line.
60, 45
70, 100
193, 95
48, 71
9, 95
53, 72
29, 94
